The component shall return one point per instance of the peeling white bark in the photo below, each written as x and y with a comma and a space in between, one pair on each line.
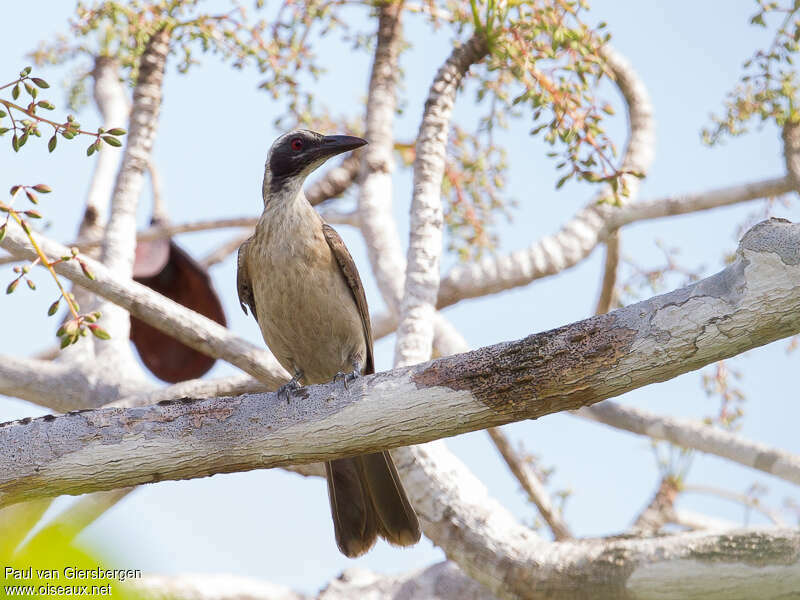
416, 320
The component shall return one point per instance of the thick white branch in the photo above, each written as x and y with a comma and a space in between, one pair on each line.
63, 386
565, 368
375, 192
578, 364
417, 309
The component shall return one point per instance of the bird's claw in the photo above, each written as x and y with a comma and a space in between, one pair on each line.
287, 388
347, 377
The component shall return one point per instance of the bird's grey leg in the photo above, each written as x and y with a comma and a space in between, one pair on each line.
287, 388
351, 376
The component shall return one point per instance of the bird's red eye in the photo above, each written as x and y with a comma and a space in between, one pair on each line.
297, 144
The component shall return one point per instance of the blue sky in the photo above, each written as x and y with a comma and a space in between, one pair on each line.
275, 525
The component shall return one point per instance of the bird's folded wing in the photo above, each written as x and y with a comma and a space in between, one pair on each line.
243, 285
348, 267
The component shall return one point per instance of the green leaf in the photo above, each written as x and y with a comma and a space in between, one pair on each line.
12, 286
32, 197
40, 82
51, 145
116, 131
42, 188
15, 92
90, 150
53, 308
2, 232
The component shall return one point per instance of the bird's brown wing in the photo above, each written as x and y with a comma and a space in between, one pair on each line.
348, 267
243, 285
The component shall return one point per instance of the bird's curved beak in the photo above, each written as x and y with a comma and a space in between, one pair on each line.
336, 144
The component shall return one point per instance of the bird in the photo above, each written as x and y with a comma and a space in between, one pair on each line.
301, 284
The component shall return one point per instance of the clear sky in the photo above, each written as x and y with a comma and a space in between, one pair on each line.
275, 525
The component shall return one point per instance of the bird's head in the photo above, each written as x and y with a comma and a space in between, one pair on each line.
295, 155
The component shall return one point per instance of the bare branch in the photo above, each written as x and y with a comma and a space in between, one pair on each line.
192, 329
791, 152
562, 369
112, 101
696, 435
532, 485
119, 243
698, 521
690, 203
222, 252
375, 192
740, 498
416, 328
660, 510
610, 266
60, 386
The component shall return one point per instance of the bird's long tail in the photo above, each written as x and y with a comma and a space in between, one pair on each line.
367, 499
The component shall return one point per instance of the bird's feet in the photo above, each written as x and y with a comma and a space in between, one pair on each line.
287, 388
346, 378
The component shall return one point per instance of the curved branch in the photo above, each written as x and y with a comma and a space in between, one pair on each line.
579, 236
416, 328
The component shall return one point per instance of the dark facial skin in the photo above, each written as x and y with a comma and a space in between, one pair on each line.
295, 152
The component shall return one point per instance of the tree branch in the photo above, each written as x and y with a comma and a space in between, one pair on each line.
532, 485
416, 320
335, 181
609, 284
562, 369
192, 329
61, 386
696, 435
377, 161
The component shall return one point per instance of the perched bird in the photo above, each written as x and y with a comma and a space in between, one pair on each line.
302, 286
